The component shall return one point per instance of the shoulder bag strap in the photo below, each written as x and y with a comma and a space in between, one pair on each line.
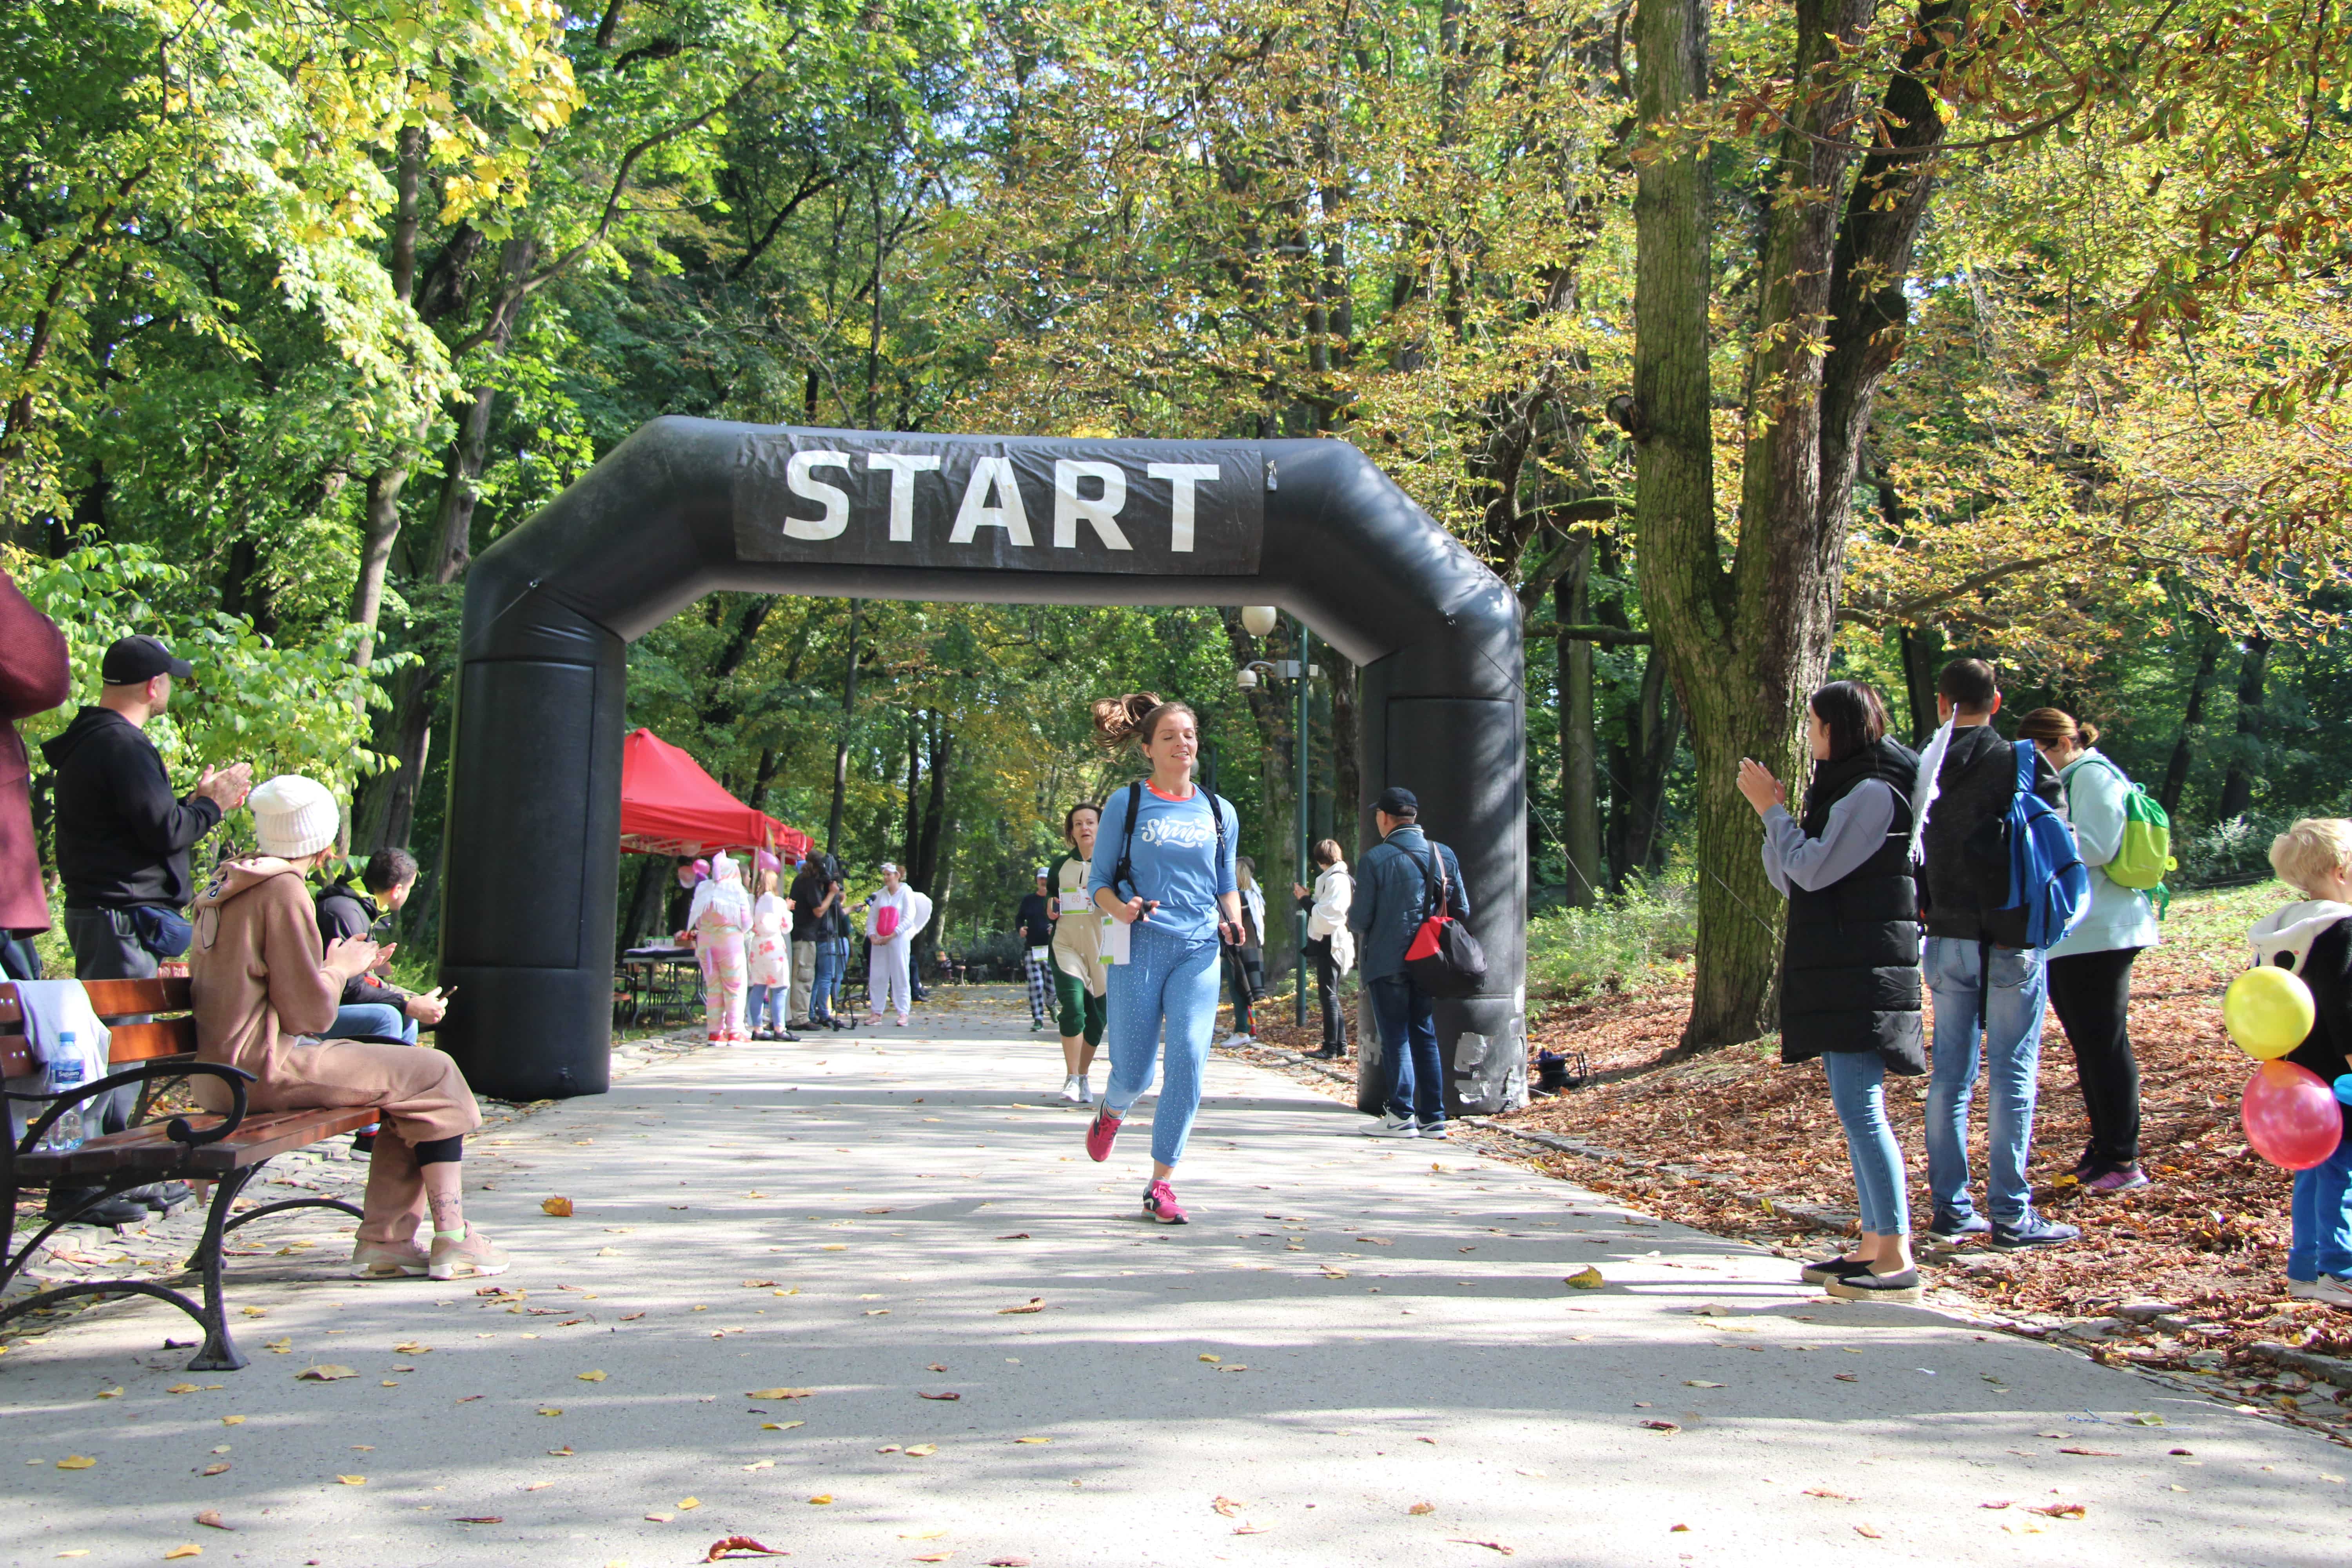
1124, 870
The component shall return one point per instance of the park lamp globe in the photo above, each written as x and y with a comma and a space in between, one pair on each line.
1258, 620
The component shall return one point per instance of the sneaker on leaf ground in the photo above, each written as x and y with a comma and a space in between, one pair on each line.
1160, 1203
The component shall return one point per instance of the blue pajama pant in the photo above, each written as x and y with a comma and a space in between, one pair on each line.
1172, 979
2322, 1213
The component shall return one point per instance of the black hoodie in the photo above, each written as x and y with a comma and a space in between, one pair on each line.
122, 836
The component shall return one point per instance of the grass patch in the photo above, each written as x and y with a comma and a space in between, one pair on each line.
1631, 942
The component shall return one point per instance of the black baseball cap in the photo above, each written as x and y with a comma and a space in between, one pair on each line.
131, 661
1398, 802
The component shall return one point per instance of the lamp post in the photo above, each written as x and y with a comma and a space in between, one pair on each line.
1259, 620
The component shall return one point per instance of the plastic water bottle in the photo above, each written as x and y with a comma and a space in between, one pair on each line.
64, 1133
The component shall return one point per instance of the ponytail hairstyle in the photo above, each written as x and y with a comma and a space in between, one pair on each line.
1134, 719
2057, 724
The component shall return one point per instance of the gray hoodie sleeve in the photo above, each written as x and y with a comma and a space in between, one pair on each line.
1856, 829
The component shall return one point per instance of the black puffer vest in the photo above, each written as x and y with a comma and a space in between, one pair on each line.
1850, 969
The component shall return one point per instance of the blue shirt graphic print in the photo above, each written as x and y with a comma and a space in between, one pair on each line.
1175, 858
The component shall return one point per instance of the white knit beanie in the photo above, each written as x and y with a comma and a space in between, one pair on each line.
294, 817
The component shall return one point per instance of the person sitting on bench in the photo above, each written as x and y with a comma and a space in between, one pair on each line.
261, 992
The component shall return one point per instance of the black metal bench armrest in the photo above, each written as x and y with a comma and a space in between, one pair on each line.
177, 1129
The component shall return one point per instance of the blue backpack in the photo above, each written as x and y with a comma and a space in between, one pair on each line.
2047, 878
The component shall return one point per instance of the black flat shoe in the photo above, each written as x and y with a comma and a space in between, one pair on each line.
116, 1210
1867, 1286
1821, 1270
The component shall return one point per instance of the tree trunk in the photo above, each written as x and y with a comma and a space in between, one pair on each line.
841, 745
1922, 647
1346, 771
1653, 727
2175, 770
2245, 752
382, 525
1580, 771
653, 872
1748, 643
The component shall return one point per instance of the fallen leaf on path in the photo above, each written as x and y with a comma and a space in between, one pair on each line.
1824, 1491
219, 1468
280, 1347
1423, 1508
1008, 1563
659, 1518
1213, 1360
779, 1393
1017, 1236
563, 1453
1866, 1529
2003, 1502
1032, 1439
2091, 1453
184, 1388
560, 1208
743, 1545
550, 1410
1585, 1278
921, 1534
108, 1393
76, 1462
690, 1502
352, 1480
1845, 1377
2059, 1510
821, 1499
211, 1518
941, 1395
1230, 1507
758, 1284
1036, 1304
592, 1377
190, 1550
232, 1420
780, 1426
325, 1372
1489, 1545
1249, 1530
1662, 1426
1702, 1382
1712, 1310
411, 1347
921, 1450
760, 1465
480, 1518
631, 1317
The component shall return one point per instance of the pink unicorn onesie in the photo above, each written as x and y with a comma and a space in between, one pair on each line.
720, 920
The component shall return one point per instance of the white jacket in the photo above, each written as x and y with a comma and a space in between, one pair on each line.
2289, 931
1335, 889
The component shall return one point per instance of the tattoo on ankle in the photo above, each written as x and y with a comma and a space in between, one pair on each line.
448, 1216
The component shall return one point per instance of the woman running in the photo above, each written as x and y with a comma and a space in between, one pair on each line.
1164, 868
1079, 977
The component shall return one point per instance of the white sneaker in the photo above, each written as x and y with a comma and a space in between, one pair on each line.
1393, 1127
1240, 1039
2327, 1288
1073, 1091
1086, 1092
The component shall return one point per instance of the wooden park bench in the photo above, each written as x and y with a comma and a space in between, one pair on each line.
225, 1151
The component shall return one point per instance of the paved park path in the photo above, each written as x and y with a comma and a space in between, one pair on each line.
1359, 1352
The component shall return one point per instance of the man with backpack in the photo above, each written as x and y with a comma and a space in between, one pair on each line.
1989, 909
1400, 883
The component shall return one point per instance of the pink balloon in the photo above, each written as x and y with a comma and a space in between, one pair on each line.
2290, 1116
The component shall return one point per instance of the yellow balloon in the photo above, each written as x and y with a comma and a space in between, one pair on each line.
2267, 1011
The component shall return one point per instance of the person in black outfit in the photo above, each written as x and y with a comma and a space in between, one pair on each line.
1850, 968
345, 910
1033, 922
122, 843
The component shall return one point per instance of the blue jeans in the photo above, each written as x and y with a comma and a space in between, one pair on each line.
380, 1020
1410, 1065
766, 1001
830, 953
1172, 980
1858, 1089
2323, 1221
2012, 1056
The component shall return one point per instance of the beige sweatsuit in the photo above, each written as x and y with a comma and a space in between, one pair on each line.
259, 991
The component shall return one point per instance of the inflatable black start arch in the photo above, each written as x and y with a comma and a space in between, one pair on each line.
686, 507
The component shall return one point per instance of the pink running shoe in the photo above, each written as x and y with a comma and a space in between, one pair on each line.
1099, 1133
1160, 1203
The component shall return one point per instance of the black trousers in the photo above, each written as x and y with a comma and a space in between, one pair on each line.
1327, 985
1246, 976
2092, 992
105, 947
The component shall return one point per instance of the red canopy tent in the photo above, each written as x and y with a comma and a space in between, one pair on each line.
670, 806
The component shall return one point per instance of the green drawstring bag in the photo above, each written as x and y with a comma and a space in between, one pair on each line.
2146, 853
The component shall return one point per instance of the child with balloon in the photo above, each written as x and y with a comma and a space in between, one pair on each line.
2293, 1012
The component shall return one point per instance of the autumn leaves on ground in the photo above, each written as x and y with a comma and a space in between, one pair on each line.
2208, 1236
